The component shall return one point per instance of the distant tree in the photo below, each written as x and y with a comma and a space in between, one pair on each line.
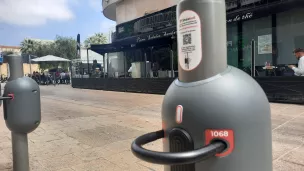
64, 47
28, 46
97, 38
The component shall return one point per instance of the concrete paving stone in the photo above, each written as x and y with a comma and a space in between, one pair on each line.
6, 144
280, 119
121, 132
62, 162
140, 167
283, 143
119, 146
280, 149
94, 165
66, 169
4, 159
91, 154
55, 151
277, 108
293, 128
124, 159
39, 146
93, 138
36, 166
296, 156
295, 110
154, 167
6, 153
66, 141
6, 165
5, 138
69, 129
282, 165
93, 130
42, 139
139, 123
144, 112
284, 138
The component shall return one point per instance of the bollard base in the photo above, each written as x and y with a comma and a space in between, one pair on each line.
20, 152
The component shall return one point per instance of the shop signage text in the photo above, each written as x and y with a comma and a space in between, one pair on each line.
237, 18
155, 36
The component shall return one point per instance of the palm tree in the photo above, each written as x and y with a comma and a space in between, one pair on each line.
27, 46
97, 38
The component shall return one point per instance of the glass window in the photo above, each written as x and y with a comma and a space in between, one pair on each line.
259, 30
232, 44
290, 35
116, 66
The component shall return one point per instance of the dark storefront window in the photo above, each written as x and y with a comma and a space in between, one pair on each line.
239, 38
275, 36
232, 44
290, 35
135, 63
157, 65
259, 30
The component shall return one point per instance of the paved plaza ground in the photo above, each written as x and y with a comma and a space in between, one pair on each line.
90, 130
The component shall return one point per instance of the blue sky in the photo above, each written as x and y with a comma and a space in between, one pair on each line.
44, 19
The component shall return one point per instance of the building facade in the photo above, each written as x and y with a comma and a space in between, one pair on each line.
16, 50
140, 22
261, 36
126, 10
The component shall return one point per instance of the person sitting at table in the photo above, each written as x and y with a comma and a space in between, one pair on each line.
298, 71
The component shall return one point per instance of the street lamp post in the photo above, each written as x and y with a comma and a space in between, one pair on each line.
30, 62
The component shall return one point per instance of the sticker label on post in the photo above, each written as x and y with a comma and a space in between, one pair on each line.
179, 114
189, 31
225, 135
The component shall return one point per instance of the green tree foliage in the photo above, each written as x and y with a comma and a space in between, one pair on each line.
97, 38
64, 47
28, 46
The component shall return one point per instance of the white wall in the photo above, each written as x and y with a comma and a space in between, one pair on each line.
128, 10
92, 56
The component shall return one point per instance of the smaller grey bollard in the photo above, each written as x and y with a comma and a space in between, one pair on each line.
22, 111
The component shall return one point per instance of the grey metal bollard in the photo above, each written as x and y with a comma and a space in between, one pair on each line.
215, 117
22, 111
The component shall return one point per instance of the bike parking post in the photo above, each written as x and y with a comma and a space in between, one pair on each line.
22, 111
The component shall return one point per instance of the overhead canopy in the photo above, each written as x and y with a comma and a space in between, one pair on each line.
50, 58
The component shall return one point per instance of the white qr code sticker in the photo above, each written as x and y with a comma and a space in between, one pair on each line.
189, 40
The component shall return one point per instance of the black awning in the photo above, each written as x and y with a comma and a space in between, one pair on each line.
155, 35
105, 48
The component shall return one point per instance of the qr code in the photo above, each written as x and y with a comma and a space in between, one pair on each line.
187, 39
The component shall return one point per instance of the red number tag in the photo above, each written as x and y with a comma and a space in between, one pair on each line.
222, 134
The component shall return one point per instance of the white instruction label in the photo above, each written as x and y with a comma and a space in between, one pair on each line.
189, 40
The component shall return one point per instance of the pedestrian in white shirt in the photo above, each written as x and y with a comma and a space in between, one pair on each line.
298, 71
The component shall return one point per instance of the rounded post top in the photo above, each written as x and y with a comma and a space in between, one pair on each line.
15, 62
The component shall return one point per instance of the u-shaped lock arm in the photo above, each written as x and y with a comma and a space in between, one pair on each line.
177, 158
